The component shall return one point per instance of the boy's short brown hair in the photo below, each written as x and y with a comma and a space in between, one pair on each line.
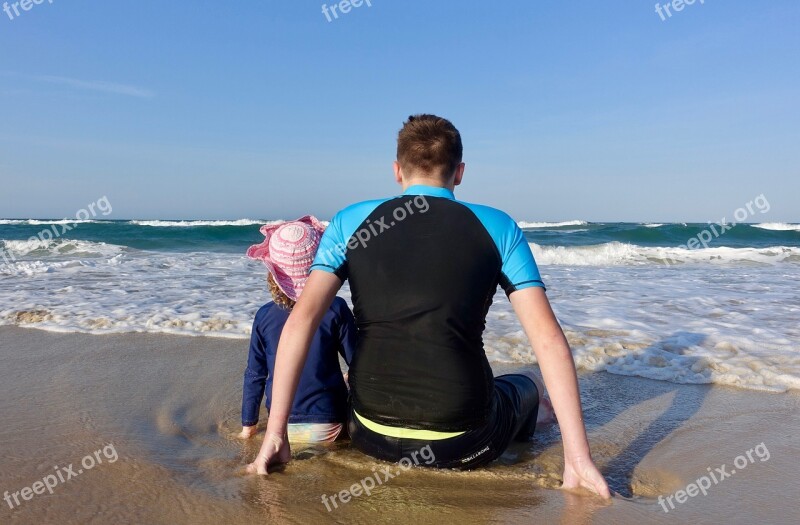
429, 144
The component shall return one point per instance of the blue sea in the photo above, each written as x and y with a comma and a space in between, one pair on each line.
633, 298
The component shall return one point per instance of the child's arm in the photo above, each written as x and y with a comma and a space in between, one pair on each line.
255, 378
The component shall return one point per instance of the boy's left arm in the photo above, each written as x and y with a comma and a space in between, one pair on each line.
295, 341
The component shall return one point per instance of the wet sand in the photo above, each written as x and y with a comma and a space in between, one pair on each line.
169, 406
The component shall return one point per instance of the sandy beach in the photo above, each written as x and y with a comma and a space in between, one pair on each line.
168, 408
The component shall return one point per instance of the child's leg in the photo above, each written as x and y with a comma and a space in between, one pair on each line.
314, 432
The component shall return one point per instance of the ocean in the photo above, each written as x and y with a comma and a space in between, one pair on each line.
632, 297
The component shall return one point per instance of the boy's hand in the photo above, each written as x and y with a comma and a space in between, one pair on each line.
582, 473
274, 450
247, 432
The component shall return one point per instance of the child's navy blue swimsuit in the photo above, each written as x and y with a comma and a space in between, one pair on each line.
322, 394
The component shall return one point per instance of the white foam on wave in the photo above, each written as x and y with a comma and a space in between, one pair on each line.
697, 325
680, 358
684, 362
739, 327
525, 224
778, 226
31, 268
193, 224
188, 294
59, 247
620, 254
42, 222
653, 225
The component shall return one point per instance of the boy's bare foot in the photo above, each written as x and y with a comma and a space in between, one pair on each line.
546, 415
247, 432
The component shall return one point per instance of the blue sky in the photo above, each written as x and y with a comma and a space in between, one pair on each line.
599, 111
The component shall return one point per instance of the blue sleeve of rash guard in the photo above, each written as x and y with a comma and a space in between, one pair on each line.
519, 270
332, 252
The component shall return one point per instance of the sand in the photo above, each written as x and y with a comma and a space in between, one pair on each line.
168, 408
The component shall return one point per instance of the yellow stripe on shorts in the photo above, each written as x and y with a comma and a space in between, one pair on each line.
405, 433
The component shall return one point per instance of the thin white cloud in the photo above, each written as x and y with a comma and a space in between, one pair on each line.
91, 85
106, 87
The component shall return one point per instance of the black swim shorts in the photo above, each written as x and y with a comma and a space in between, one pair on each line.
515, 405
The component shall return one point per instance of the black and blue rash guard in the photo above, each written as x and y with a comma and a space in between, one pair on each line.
423, 268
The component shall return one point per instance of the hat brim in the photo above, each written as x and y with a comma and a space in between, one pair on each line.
289, 286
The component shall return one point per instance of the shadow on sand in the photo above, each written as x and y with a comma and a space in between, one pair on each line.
605, 399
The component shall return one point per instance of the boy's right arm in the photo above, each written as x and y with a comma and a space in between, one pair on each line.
558, 368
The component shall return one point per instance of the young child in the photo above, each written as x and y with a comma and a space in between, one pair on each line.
320, 405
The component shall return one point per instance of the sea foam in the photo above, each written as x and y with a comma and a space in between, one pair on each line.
623, 254
778, 226
525, 224
194, 224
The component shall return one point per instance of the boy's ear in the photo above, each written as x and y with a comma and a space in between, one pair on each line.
459, 174
398, 173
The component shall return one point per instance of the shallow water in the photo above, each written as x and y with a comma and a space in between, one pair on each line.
170, 407
729, 323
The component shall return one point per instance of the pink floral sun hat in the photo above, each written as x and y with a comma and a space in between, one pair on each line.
288, 251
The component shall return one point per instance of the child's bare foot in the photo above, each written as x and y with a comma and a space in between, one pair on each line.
247, 432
